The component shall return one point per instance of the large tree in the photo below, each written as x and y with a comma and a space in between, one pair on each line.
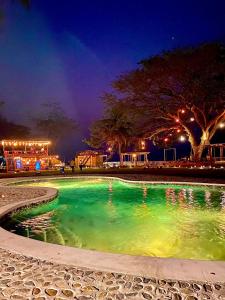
182, 91
53, 123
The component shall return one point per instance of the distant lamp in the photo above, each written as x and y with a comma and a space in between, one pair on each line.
178, 130
192, 119
166, 140
177, 120
182, 111
109, 149
222, 125
142, 145
182, 138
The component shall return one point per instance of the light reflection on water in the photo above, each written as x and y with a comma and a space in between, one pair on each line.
138, 219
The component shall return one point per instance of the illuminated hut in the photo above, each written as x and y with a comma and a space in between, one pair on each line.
90, 158
28, 155
137, 158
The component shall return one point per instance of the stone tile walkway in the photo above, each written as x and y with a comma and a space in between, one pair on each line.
23, 278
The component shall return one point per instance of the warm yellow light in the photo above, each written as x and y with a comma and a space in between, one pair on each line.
221, 125
177, 120
182, 138
109, 149
182, 111
166, 140
192, 119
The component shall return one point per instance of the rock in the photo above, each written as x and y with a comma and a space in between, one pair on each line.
196, 287
51, 292
217, 287
109, 282
131, 294
114, 288
127, 285
67, 293
146, 296
137, 287
176, 297
36, 291
207, 288
184, 284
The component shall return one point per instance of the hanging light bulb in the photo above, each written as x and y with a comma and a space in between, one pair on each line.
182, 138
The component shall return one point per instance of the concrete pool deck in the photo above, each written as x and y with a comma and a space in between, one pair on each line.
31, 269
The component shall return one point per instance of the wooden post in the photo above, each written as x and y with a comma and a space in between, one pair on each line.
221, 152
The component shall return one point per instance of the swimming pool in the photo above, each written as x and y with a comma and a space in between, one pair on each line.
163, 220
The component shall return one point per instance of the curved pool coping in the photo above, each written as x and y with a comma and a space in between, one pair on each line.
154, 267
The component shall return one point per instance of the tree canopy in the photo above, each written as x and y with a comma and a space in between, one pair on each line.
181, 91
11, 130
114, 131
53, 122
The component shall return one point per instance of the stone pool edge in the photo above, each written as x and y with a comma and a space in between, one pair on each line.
166, 268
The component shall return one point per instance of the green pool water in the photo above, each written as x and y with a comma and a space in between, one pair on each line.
178, 221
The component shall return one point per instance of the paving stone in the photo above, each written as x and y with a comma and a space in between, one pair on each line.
67, 293
146, 296
51, 292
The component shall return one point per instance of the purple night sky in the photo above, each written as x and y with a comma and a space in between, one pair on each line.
70, 51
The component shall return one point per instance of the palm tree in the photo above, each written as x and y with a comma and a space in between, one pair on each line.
113, 132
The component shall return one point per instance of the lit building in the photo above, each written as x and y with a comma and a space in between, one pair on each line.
90, 158
27, 155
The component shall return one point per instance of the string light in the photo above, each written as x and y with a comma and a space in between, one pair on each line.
177, 120
221, 125
166, 140
192, 119
182, 111
178, 130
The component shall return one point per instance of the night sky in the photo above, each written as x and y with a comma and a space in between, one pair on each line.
69, 51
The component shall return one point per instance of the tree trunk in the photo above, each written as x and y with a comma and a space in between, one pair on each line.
119, 151
198, 148
197, 151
